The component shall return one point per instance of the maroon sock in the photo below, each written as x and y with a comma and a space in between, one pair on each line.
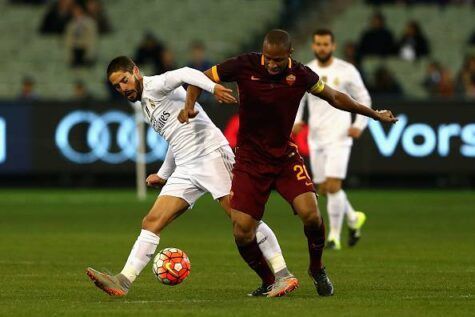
254, 258
316, 241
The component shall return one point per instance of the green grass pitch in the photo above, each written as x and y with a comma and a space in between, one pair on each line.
417, 257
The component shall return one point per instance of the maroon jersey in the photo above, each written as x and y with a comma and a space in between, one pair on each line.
268, 103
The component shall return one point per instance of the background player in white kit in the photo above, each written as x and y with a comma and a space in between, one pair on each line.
199, 160
331, 135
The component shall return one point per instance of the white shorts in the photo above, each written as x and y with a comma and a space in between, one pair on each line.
208, 174
329, 161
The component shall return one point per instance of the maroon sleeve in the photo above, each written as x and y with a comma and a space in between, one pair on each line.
311, 78
226, 71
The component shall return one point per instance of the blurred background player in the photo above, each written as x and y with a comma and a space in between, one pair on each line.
199, 161
271, 85
331, 135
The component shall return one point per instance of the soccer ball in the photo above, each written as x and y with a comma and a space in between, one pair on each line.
171, 266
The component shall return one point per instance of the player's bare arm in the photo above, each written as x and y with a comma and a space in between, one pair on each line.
344, 102
221, 93
189, 112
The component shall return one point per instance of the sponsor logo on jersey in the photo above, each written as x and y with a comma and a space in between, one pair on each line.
159, 123
290, 79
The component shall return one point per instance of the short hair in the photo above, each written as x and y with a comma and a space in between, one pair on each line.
323, 32
278, 37
121, 63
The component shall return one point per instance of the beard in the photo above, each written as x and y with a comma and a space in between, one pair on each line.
323, 58
138, 90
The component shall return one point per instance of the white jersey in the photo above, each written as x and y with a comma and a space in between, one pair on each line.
328, 125
162, 99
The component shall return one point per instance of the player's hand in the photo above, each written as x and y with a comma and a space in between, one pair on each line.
153, 180
223, 94
297, 128
355, 133
385, 116
186, 114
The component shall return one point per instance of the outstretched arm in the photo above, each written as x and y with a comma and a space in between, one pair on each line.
344, 102
186, 75
193, 92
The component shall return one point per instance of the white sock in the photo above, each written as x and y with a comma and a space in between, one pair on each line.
270, 248
336, 205
349, 211
142, 252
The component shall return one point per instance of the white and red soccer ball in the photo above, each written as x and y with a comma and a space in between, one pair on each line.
171, 266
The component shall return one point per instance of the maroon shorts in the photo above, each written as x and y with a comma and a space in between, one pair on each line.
253, 183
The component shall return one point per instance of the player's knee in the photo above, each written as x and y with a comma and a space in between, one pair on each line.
333, 187
153, 223
242, 234
311, 217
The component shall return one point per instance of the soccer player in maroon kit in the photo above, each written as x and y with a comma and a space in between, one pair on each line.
271, 86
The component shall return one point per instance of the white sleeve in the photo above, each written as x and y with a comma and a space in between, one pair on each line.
303, 102
358, 91
168, 166
186, 75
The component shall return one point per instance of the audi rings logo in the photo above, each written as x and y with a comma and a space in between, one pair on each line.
100, 138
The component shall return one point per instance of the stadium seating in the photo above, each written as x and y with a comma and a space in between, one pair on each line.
216, 23
447, 30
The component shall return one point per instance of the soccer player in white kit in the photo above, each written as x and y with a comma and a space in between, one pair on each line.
331, 135
199, 160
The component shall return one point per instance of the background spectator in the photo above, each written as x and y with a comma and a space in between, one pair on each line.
168, 60
385, 84
57, 17
198, 59
466, 78
350, 53
150, 51
413, 43
81, 38
28, 92
471, 40
377, 40
80, 91
95, 10
438, 81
